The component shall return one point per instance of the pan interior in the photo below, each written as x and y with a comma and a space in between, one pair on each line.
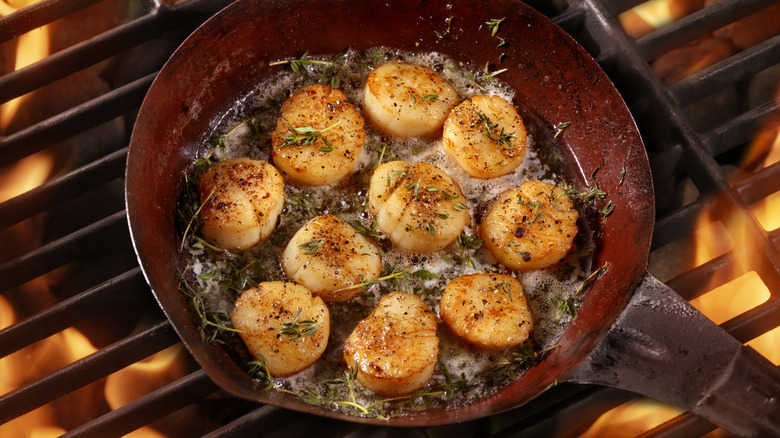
556, 82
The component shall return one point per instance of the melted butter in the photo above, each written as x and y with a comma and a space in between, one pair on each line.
348, 201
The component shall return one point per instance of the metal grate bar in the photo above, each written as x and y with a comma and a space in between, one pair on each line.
571, 416
682, 426
74, 121
759, 184
755, 322
616, 7
151, 407
77, 57
697, 24
571, 20
64, 188
739, 67
62, 251
266, 418
68, 312
740, 129
676, 225
87, 370
697, 281
37, 15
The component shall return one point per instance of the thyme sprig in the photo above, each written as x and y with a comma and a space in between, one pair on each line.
221, 140
312, 246
364, 284
506, 288
526, 357
299, 65
371, 231
307, 136
297, 329
218, 323
350, 377
448, 22
468, 244
567, 306
592, 193
451, 386
503, 139
193, 218
259, 369
349, 380
493, 25
433, 97
486, 78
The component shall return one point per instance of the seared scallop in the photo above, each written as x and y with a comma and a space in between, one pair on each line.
319, 136
418, 206
328, 256
407, 100
486, 136
284, 324
242, 199
395, 349
487, 310
530, 227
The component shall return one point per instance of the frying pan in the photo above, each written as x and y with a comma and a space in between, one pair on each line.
631, 331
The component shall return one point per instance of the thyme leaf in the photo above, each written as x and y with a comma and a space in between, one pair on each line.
526, 357
451, 386
567, 306
434, 97
469, 243
559, 128
493, 24
371, 231
506, 288
607, 209
364, 284
259, 369
296, 329
306, 136
441, 35
311, 246
193, 218
298, 66
489, 129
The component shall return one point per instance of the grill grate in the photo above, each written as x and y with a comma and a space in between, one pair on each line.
115, 289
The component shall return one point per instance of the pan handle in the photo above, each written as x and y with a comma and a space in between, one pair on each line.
663, 348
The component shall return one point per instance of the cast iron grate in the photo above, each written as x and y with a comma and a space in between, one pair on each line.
84, 233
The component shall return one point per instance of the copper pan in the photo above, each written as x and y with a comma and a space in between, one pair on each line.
631, 331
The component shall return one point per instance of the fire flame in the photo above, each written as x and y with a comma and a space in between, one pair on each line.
714, 236
631, 419
32, 47
25, 365
61, 349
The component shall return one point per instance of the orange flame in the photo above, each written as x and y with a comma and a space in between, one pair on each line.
714, 236
30, 364
32, 47
631, 419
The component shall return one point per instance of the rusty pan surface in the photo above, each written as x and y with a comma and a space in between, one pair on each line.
556, 81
